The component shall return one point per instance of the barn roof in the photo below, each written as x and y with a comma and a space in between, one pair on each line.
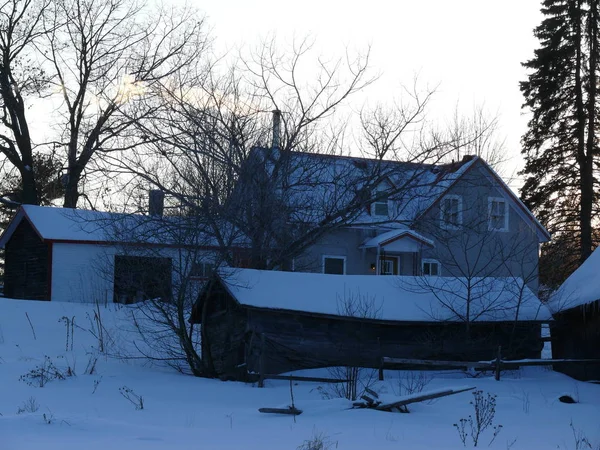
582, 287
388, 298
84, 226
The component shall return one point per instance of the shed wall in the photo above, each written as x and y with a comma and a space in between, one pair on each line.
85, 272
575, 334
82, 273
27, 265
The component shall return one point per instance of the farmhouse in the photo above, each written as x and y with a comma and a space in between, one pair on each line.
276, 322
63, 254
575, 332
377, 217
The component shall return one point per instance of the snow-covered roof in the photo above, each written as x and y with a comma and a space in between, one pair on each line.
390, 298
582, 287
84, 226
389, 236
321, 185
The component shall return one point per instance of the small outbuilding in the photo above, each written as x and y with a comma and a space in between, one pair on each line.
276, 322
73, 255
575, 331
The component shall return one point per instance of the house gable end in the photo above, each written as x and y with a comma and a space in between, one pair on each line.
496, 182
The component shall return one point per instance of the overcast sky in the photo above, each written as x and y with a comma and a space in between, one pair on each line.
472, 48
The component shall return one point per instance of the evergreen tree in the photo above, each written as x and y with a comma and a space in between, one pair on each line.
560, 146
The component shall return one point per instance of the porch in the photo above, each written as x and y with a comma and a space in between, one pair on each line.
398, 252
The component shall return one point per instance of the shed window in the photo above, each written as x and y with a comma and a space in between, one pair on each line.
139, 278
431, 267
451, 212
334, 265
201, 270
497, 214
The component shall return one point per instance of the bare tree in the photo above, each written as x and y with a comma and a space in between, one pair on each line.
95, 62
107, 57
209, 147
361, 306
477, 134
21, 27
159, 282
485, 250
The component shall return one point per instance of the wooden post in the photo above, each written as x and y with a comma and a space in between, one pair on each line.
380, 360
498, 363
261, 369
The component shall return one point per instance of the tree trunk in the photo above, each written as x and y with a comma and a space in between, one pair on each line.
71, 191
582, 157
586, 165
23, 160
30, 193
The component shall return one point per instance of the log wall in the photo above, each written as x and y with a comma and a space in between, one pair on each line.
298, 340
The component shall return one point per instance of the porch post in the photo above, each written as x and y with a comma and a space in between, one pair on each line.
378, 262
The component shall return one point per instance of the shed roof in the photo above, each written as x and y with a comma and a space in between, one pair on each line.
85, 226
388, 298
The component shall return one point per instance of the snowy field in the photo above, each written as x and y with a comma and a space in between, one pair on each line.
89, 411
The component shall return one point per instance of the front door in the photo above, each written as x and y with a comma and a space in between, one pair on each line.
388, 265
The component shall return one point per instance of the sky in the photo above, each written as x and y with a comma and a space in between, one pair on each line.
471, 50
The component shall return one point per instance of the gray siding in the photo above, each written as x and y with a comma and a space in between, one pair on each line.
473, 250
344, 243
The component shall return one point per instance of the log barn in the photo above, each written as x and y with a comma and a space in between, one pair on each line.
276, 322
575, 331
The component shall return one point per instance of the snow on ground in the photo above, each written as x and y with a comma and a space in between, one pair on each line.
182, 412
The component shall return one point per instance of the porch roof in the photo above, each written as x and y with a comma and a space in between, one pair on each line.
398, 240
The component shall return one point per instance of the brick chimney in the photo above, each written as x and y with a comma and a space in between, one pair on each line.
276, 143
156, 203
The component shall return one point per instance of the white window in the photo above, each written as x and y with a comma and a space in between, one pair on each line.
380, 206
451, 217
201, 270
334, 265
431, 267
497, 214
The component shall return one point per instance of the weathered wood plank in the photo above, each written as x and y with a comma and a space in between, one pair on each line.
368, 399
300, 378
290, 411
544, 362
434, 363
480, 365
421, 398
371, 392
